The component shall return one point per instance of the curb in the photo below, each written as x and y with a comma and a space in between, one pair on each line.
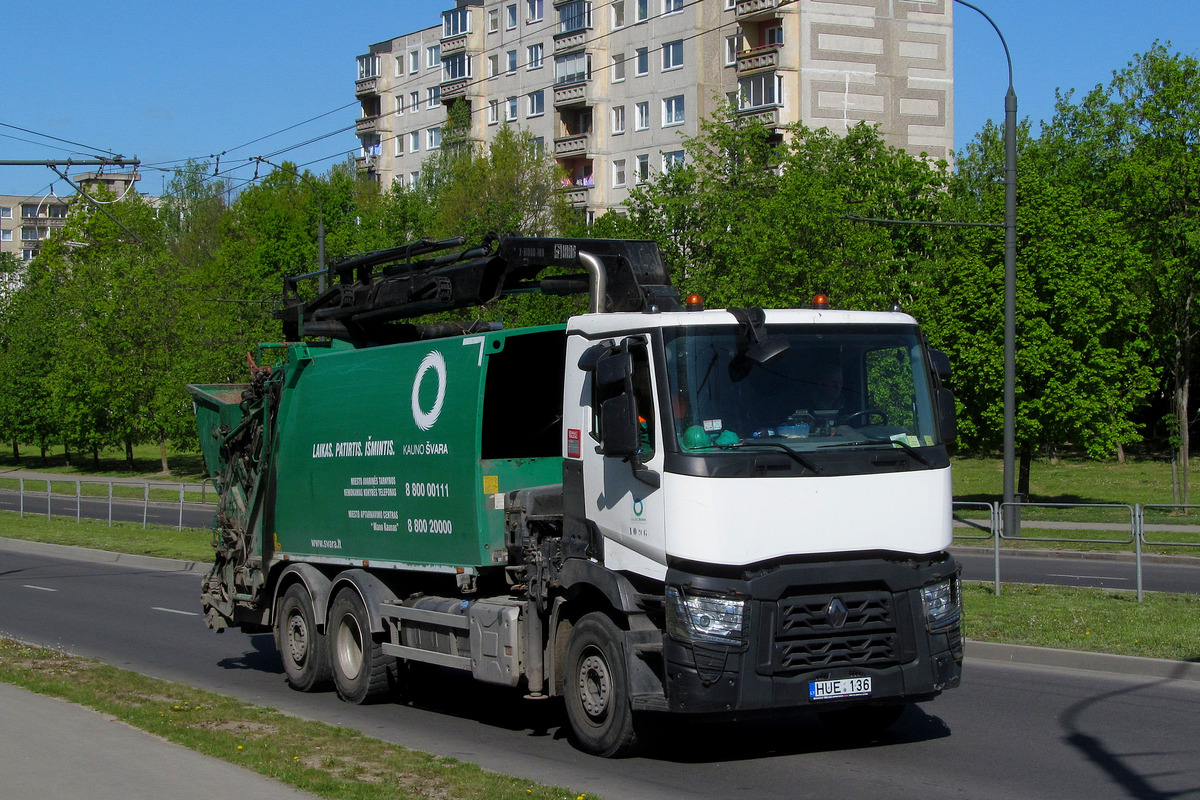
1075, 659
103, 556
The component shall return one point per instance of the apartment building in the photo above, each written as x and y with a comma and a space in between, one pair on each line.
613, 87
27, 221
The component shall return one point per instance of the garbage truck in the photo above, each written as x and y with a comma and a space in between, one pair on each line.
653, 509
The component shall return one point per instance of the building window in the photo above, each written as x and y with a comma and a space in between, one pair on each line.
643, 61
618, 119
433, 138
571, 68
538, 145
510, 110
5, 212
618, 178
672, 6
618, 68
29, 234
493, 66
574, 16
618, 14
774, 35
433, 56
534, 10
493, 112
414, 141
730, 5
435, 96
414, 101
760, 91
672, 55
672, 110
456, 66
534, 54
510, 62
456, 22
493, 20
414, 178
28, 255
399, 105
397, 145
672, 159
733, 44
643, 168
537, 103
29, 210
5, 236
368, 67
643, 10
510, 16
414, 61
641, 116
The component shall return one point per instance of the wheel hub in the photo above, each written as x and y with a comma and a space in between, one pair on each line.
297, 639
595, 685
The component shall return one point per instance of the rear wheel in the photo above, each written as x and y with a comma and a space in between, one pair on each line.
305, 658
360, 669
597, 688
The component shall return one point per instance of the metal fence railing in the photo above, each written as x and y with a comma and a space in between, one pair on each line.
161, 502
1010, 522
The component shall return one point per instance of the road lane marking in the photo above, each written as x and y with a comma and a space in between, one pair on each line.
1087, 577
40, 588
175, 611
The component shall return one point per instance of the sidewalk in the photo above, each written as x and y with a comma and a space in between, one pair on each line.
50, 748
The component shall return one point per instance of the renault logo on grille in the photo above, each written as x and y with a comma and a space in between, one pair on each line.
836, 612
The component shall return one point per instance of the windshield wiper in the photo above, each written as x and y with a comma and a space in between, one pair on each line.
905, 446
799, 459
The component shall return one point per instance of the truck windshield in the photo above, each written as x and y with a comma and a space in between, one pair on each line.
833, 386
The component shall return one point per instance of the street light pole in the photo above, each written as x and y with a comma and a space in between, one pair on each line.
1010, 279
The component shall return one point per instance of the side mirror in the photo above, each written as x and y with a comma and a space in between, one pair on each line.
947, 416
941, 364
614, 369
619, 427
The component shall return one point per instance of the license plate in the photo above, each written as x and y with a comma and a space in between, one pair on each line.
845, 687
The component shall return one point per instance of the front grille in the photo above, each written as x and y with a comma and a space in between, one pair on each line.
806, 636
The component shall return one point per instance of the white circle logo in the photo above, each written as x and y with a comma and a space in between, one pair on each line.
425, 419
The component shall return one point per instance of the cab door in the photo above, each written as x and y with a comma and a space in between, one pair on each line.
622, 462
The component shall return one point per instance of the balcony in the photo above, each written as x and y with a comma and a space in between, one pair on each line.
366, 86
748, 9
570, 94
756, 58
577, 196
767, 115
454, 89
454, 44
377, 124
570, 41
571, 145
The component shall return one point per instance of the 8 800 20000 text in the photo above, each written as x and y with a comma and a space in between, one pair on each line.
439, 526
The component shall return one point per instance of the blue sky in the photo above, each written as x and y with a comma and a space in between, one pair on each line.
171, 80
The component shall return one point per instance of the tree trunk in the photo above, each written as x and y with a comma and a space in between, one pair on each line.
1023, 474
67, 453
16, 450
162, 452
95, 458
129, 454
1120, 453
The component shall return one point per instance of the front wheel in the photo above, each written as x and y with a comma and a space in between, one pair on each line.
360, 668
597, 688
305, 659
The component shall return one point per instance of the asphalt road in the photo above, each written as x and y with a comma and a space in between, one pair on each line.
1008, 732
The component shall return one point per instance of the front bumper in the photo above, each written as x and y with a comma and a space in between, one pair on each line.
791, 640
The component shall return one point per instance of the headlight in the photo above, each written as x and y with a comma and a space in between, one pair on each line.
943, 605
704, 618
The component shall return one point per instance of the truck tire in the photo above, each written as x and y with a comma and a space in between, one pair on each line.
360, 668
301, 646
597, 688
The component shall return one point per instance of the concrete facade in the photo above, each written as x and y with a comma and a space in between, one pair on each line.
612, 88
